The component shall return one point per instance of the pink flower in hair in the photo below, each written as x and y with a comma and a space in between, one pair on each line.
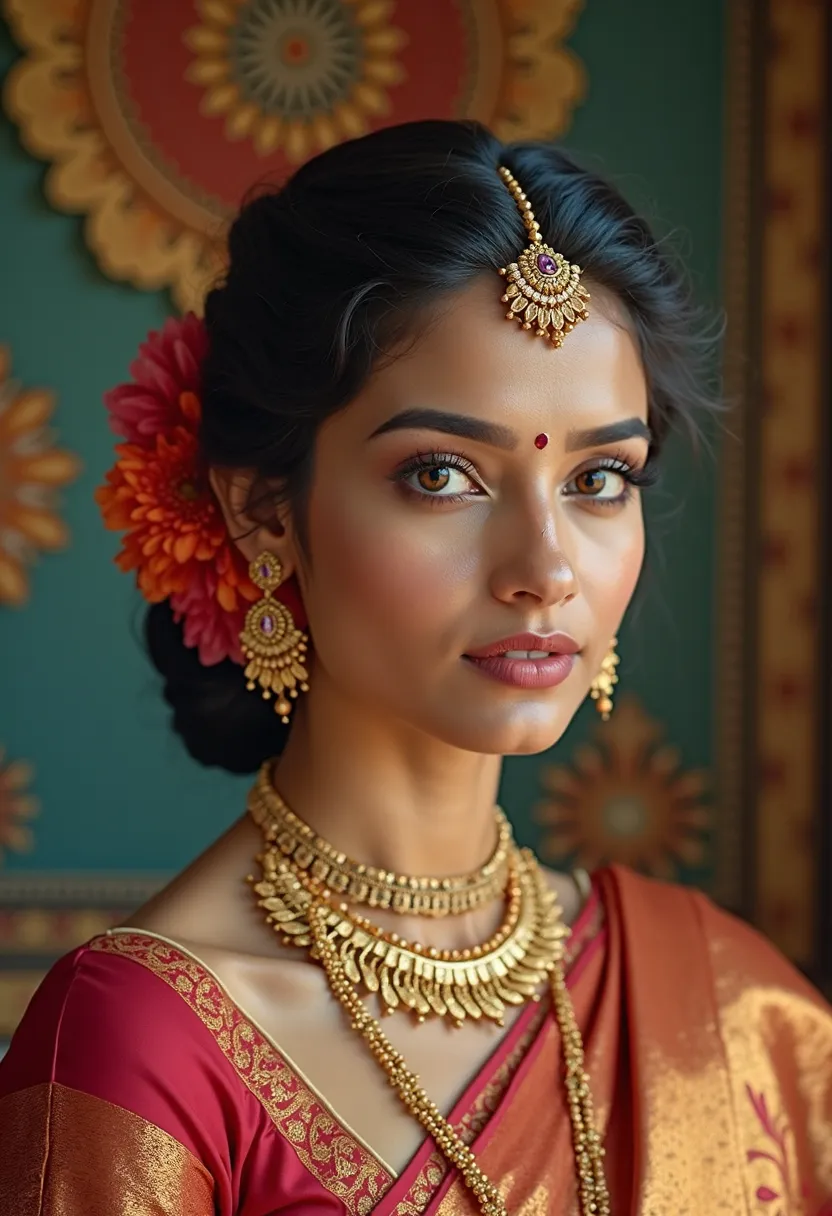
206, 625
163, 392
158, 497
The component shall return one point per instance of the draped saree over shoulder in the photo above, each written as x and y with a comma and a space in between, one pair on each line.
136, 1087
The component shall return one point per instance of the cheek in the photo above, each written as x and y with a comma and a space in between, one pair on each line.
387, 571
609, 575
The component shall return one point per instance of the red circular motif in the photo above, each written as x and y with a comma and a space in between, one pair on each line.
171, 112
541, 440
295, 50
191, 148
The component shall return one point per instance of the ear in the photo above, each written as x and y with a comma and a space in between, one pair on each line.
257, 521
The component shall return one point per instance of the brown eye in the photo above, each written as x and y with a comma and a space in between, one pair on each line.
593, 481
442, 478
607, 486
433, 479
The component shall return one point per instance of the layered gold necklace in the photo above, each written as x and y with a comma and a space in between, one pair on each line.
361, 959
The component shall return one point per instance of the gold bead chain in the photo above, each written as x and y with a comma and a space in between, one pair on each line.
403, 1079
589, 1151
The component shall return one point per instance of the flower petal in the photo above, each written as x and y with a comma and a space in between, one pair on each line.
185, 547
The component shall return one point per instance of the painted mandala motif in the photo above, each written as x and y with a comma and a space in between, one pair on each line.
625, 799
158, 118
31, 473
301, 74
17, 806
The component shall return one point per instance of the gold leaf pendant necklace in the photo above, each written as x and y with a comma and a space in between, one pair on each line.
360, 959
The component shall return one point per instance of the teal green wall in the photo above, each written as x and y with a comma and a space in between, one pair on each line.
77, 696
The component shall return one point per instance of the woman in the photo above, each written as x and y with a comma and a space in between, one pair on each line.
417, 527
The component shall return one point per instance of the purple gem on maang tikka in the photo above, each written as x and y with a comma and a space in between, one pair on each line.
546, 264
267, 625
264, 571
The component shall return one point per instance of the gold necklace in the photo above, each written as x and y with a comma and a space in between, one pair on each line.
321, 928
362, 884
481, 982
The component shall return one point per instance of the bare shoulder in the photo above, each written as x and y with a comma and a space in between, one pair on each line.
208, 908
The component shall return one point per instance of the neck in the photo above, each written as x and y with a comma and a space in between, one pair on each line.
387, 795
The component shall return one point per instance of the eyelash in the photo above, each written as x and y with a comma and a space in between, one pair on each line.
636, 478
434, 460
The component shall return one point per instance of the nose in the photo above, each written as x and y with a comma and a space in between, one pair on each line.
535, 568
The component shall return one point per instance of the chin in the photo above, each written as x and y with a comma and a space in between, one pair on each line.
526, 731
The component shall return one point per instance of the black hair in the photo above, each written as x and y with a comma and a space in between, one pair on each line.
330, 271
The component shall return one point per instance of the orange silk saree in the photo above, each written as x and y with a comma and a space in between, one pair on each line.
136, 1087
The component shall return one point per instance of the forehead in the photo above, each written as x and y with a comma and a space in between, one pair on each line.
467, 357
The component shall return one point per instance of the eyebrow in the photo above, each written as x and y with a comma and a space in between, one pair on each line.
615, 432
491, 433
461, 425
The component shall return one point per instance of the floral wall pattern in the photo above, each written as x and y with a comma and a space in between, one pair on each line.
32, 471
17, 806
157, 118
625, 797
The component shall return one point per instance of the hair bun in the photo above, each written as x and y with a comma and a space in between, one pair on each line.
221, 723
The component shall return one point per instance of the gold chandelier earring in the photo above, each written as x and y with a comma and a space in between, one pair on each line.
601, 688
274, 647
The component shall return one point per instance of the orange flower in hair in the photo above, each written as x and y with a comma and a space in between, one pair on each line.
175, 537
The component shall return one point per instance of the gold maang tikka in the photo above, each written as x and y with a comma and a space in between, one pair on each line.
544, 292
601, 688
274, 647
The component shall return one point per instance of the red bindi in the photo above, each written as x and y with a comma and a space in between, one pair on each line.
541, 441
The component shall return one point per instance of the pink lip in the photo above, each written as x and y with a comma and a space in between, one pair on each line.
528, 673
554, 643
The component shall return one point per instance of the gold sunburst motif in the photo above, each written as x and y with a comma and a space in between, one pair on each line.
626, 798
32, 471
301, 75
17, 806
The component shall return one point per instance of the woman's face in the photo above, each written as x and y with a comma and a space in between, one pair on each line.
437, 527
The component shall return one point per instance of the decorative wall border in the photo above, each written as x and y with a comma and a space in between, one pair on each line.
791, 474
58, 888
44, 915
770, 679
824, 970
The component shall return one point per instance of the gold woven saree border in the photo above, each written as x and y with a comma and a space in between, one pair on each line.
148, 1170
339, 1162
